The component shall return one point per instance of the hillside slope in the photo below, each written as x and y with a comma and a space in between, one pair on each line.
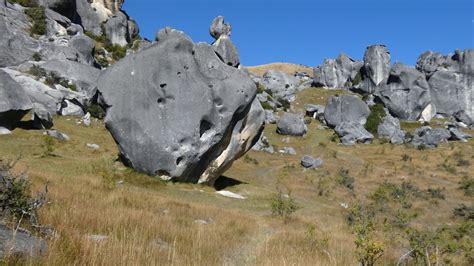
98, 208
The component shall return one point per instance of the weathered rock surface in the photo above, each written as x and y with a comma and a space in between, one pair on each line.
16, 45
281, 84
146, 94
376, 67
345, 108
310, 162
430, 137
339, 73
457, 134
351, 133
291, 124
21, 243
14, 101
406, 93
57, 135
227, 51
84, 76
390, 129
116, 29
219, 27
85, 46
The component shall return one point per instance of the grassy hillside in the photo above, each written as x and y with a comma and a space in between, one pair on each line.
395, 189
285, 67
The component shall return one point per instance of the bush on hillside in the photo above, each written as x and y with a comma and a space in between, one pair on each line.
376, 116
38, 18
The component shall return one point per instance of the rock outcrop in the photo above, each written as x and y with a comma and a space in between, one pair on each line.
390, 129
291, 124
345, 108
339, 73
376, 68
450, 80
351, 133
178, 112
406, 93
280, 84
14, 102
223, 45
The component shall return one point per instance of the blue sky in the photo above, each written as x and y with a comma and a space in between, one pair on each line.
307, 32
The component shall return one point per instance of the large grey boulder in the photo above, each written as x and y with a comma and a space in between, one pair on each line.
390, 129
20, 243
291, 124
83, 76
16, 45
329, 75
91, 14
37, 91
351, 133
147, 95
133, 29
227, 51
376, 68
116, 29
339, 73
430, 137
219, 27
406, 93
450, 83
66, 8
281, 84
14, 101
345, 108
85, 46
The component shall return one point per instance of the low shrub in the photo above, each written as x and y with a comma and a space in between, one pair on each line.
467, 185
343, 178
16, 203
38, 18
376, 116
283, 205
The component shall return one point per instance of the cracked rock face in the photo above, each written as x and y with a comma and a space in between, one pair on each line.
346, 108
178, 112
14, 101
376, 67
406, 93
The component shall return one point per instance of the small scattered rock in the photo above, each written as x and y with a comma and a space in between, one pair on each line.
310, 162
291, 124
97, 238
57, 135
288, 150
93, 146
230, 194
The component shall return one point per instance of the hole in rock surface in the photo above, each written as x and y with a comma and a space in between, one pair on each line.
204, 127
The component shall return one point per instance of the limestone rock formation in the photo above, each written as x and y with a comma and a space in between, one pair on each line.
116, 29
390, 129
14, 102
219, 27
406, 93
339, 73
176, 111
223, 45
291, 124
281, 84
351, 133
376, 68
346, 108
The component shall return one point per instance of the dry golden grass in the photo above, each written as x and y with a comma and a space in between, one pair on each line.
149, 222
285, 67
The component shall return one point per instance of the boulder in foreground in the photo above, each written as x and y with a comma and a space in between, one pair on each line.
178, 112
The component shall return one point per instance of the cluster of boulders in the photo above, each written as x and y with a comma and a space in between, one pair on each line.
440, 85
55, 73
144, 94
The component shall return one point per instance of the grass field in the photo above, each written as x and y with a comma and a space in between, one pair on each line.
150, 222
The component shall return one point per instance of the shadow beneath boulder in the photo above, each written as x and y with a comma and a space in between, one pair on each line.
224, 182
